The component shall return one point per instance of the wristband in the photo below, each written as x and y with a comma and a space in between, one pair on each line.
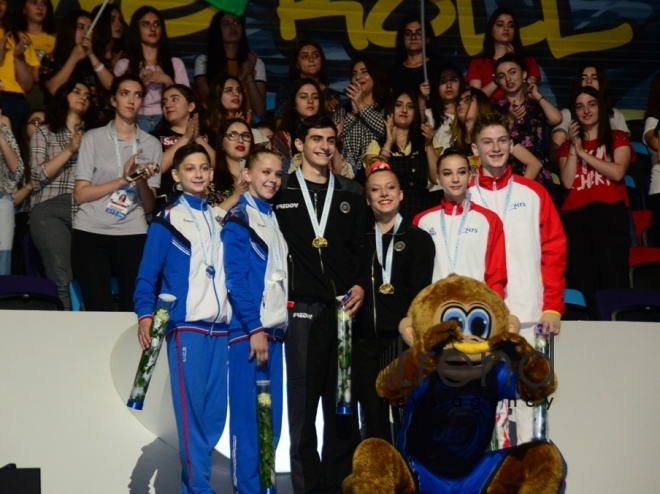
99, 67
539, 100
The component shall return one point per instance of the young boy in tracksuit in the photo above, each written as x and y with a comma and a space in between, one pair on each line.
468, 238
183, 255
256, 267
324, 264
534, 237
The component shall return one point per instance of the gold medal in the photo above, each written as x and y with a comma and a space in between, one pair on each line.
319, 242
386, 289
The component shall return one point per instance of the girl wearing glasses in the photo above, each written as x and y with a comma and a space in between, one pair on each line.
233, 148
74, 58
229, 53
181, 125
148, 57
53, 159
472, 103
529, 113
502, 36
408, 71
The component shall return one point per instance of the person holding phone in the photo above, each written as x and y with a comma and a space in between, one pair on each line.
108, 239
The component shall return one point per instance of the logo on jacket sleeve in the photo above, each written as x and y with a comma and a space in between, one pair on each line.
345, 207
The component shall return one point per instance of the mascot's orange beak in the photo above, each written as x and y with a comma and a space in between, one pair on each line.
469, 348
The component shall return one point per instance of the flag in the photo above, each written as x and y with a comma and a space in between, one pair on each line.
234, 7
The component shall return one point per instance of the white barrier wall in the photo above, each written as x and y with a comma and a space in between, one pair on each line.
64, 379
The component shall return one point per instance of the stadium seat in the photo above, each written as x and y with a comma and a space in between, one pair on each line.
575, 306
28, 293
645, 276
615, 300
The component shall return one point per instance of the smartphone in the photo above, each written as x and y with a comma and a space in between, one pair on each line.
138, 173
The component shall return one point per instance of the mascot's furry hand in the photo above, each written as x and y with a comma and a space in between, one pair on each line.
535, 369
398, 379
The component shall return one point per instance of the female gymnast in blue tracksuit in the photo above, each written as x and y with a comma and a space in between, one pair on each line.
256, 270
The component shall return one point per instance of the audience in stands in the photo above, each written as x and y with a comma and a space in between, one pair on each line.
593, 163
74, 58
502, 36
411, 151
53, 159
115, 183
148, 57
11, 172
181, 125
233, 148
362, 120
307, 62
529, 114
229, 52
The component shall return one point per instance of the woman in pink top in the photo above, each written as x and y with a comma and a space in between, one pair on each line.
502, 36
149, 58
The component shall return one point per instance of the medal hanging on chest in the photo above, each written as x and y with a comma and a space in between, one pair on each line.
207, 258
386, 287
319, 242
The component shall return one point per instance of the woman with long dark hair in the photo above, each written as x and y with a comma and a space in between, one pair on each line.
408, 70
115, 183
108, 36
593, 164
36, 18
181, 125
306, 100
502, 36
233, 145
74, 58
307, 62
53, 159
148, 57
529, 114
594, 76
411, 151
362, 121
229, 53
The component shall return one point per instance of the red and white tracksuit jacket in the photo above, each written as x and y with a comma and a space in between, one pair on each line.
535, 244
480, 253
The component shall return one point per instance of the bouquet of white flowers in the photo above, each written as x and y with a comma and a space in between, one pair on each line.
150, 355
344, 357
266, 440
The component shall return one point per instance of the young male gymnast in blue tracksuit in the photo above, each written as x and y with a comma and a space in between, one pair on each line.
184, 256
256, 267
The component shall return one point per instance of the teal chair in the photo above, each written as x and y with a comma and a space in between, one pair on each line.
76, 294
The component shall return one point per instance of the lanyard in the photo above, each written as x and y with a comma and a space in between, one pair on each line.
319, 229
453, 260
507, 198
207, 258
113, 133
387, 266
277, 234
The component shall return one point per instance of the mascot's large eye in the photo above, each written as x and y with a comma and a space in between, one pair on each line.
455, 313
478, 323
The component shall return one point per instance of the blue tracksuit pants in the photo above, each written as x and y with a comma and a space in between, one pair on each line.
243, 410
198, 375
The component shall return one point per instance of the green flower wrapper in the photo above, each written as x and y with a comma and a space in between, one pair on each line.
540, 424
149, 356
344, 357
266, 439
